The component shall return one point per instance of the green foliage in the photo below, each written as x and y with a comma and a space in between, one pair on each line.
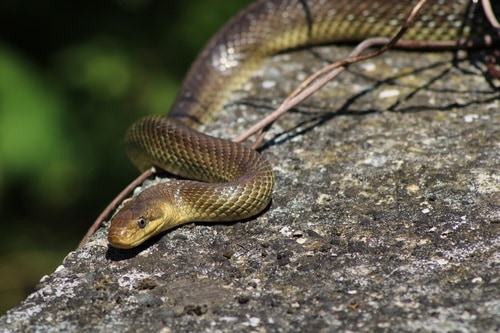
69, 88
102, 68
32, 136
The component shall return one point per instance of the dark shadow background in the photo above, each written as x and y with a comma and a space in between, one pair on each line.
73, 76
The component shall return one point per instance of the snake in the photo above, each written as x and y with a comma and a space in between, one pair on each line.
221, 180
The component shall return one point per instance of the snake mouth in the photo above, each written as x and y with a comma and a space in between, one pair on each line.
125, 238
119, 243
122, 238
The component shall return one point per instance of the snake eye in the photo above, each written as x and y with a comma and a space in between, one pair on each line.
141, 222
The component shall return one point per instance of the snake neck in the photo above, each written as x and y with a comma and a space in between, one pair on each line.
228, 174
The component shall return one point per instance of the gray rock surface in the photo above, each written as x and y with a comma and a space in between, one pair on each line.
385, 217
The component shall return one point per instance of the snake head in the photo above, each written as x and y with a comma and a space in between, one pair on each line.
139, 219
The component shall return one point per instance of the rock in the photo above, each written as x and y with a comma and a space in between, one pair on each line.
385, 217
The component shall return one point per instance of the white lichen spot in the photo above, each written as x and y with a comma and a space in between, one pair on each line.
368, 66
165, 330
376, 161
442, 261
389, 93
59, 269
323, 198
129, 280
254, 321
268, 84
286, 231
301, 240
248, 86
477, 279
433, 229
469, 118
412, 188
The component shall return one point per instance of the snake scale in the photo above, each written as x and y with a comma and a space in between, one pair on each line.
230, 181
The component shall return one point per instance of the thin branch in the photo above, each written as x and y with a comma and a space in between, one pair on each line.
490, 14
309, 87
314, 82
491, 63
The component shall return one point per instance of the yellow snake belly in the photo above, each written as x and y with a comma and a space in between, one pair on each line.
230, 181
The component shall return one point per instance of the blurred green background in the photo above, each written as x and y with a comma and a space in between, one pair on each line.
73, 76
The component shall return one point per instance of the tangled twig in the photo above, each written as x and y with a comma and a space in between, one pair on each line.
317, 80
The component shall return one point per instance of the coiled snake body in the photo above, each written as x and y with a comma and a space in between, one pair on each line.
231, 181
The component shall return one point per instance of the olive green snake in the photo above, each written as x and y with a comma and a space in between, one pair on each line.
229, 181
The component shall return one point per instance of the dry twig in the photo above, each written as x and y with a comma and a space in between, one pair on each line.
328, 73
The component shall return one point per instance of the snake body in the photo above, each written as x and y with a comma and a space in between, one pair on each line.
231, 181
234, 181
